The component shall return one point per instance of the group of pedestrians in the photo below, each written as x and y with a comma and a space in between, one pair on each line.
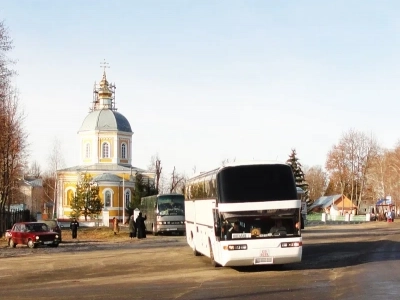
390, 215
136, 228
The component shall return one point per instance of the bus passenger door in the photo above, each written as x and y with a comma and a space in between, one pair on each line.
217, 233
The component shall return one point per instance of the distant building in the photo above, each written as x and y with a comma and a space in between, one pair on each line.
105, 148
340, 202
31, 195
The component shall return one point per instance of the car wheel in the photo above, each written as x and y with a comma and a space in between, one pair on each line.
31, 244
11, 243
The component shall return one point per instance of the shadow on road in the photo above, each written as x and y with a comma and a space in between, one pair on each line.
337, 255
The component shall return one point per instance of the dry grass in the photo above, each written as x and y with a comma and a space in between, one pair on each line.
95, 233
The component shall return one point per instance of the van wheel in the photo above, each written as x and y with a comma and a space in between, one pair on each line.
213, 262
154, 231
12, 244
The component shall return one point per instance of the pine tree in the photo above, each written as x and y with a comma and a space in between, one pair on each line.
143, 187
86, 200
298, 173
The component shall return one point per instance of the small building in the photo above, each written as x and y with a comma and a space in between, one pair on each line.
384, 205
341, 203
31, 194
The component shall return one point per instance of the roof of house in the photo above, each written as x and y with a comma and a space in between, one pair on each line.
325, 201
107, 177
102, 167
37, 182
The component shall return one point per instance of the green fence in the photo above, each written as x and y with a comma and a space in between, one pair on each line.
318, 217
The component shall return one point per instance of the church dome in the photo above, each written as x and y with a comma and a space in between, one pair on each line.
105, 120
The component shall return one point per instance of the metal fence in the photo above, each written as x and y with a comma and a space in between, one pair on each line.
318, 217
9, 218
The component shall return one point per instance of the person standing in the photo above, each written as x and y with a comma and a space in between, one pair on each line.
132, 230
140, 226
74, 228
115, 226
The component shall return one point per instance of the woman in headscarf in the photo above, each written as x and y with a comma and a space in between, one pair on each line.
132, 229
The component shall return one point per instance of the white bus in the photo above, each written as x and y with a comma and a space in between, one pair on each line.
255, 195
164, 213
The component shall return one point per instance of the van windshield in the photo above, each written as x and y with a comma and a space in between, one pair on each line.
171, 205
253, 183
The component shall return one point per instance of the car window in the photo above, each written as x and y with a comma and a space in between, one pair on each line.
40, 227
51, 224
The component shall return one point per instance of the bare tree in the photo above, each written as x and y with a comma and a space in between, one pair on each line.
337, 168
177, 180
349, 163
317, 182
155, 166
56, 161
35, 170
12, 144
227, 161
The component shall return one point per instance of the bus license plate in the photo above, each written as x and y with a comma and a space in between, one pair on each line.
263, 260
172, 229
48, 243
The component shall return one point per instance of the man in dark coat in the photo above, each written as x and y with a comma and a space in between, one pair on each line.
74, 228
140, 226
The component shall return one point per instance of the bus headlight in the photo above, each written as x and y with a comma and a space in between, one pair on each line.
235, 247
37, 237
291, 244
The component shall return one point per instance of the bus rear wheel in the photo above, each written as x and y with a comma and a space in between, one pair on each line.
195, 252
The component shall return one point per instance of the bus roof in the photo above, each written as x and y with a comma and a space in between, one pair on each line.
240, 163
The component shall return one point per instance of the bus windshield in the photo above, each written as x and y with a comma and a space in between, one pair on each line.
171, 205
253, 183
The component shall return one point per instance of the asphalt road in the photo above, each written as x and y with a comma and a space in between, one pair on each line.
358, 261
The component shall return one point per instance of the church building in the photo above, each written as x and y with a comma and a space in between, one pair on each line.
105, 148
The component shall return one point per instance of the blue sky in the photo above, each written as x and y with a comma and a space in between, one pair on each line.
205, 81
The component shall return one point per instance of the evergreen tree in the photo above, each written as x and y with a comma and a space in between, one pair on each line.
298, 173
143, 187
86, 200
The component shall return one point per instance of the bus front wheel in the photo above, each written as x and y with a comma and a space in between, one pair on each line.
213, 262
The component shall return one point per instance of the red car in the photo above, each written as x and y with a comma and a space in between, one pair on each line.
33, 234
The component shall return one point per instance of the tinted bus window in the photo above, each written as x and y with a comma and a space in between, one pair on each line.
254, 183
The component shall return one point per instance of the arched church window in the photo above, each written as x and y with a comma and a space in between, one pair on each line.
127, 198
70, 197
87, 150
123, 151
107, 202
106, 150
